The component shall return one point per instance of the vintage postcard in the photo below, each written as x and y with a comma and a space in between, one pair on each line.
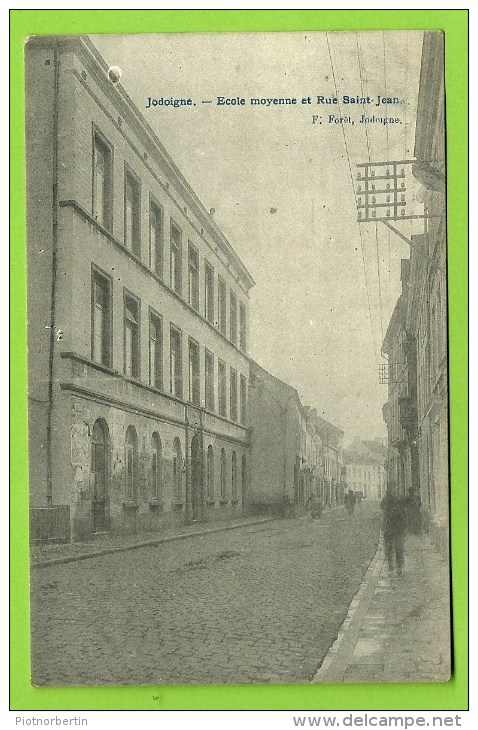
238, 373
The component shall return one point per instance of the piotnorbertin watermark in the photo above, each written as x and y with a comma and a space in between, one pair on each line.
49, 721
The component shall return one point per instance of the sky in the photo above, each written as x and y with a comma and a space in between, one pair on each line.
283, 189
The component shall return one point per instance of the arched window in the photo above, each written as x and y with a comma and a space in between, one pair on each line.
177, 470
223, 475
131, 462
210, 473
234, 475
156, 477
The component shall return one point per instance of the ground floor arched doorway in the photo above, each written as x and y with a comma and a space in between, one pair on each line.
244, 481
100, 450
196, 478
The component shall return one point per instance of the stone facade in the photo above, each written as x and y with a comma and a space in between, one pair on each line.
138, 315
416, 341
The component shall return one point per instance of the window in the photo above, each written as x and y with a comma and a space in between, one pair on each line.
210, 473
177, 470
175, 363
101, 319
209, 291
233, 319
132, 213
102, 181
242, 327
194, 379
221, 377
243, 386
223, 475
193, 277
156, 467
233, 395
176, 258
155, 238
131, 462
209, 380
234, 476
221, 305
131, 336
155, 351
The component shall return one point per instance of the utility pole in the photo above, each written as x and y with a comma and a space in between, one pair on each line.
382, 195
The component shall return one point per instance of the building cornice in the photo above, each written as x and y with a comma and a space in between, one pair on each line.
427, 169
96, 65
141, 409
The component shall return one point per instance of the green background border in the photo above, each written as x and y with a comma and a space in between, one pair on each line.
450, 696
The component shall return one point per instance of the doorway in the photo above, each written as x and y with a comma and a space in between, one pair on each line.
100, 471
244, 481
196, 478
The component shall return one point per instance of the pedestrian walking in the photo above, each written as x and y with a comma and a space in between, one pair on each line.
314, 507
413, 511
394, 527
349, 502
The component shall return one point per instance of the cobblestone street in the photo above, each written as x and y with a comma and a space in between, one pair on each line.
259, 604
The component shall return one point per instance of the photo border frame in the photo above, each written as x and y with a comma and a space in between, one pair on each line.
452, 695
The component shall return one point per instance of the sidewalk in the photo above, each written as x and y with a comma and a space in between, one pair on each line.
396, 630
43, 556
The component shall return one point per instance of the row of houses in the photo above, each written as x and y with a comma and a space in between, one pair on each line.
145, 409
416, 413
295, 452
365, 470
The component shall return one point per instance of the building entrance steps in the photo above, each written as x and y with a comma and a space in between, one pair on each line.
396, 629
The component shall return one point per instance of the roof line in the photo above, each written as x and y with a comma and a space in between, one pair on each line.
86, 47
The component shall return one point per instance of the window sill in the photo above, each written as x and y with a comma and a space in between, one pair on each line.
119, 244
136, 379
130, 505
177, 506
155, 505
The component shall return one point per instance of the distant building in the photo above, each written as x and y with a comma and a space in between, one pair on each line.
365, 468
332, 476
286, 449
138, 317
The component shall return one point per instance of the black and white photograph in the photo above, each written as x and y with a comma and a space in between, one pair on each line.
238, 358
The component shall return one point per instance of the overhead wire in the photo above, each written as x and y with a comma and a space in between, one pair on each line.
379, 281
387, 157
363, 92
359, 58
355, 197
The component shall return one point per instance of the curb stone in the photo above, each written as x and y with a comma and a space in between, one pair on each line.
335, 663
153, 542
145, 543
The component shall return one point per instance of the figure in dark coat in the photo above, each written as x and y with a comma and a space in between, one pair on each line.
314, 507
349, 501
394, 526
